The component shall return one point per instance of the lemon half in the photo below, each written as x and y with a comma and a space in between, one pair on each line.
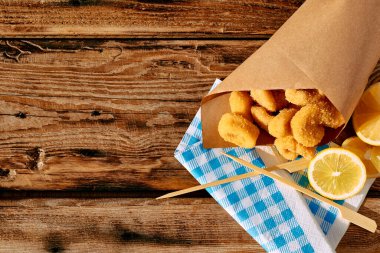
337, 173
366, 118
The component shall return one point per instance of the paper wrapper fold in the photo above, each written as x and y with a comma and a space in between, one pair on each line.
331, 45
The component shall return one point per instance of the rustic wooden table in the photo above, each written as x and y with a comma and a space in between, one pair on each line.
95, 96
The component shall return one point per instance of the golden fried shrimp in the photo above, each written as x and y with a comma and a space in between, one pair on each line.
307, 152
261, 117
289, 148
303, 97
330, 116
240, 103
272, 100
279, 98
306, 126
286, 146
236, 129
279, 126
264, 98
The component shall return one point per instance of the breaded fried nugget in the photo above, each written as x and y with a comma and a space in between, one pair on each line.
236, 129
303, 97
330, 116
287, 146
240, 103
272, 100
306, 127
264, 98
261, 117
306, 152
279, 126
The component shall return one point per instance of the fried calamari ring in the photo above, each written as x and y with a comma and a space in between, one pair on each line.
330, 116
240, 103
236, 129
306, 126
279, 126
286, 146
303, 97
261, 117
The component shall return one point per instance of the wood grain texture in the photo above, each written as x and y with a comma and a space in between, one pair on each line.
140, 225
147, 19
107, 119
87, 124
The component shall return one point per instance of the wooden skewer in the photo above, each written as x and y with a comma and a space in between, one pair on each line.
289, 166
348, 214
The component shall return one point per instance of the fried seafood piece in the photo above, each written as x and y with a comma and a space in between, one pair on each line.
240, 103
238, 130
286, 146
306, 152
330, 116
289, 148
306, 126
279, 126
303, 97
270, 100
261, 117
264, 98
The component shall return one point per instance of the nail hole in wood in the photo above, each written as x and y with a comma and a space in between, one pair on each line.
96, 113
54, 243
4, 172
36, 159
7, 175
21, 115
91, 152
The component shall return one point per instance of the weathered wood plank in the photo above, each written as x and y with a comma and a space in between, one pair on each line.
133, 19
107, 114
108, 118
140, 225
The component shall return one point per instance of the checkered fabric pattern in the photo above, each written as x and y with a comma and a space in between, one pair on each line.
258, 204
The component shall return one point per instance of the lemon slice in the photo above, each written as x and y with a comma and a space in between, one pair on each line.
337, 173
369, 155
366, 118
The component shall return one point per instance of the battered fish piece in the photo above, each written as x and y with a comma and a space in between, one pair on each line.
330, 116
303, 97
240, 103
238, 130
306, 126
272, 100
279, 126
286, 146
261, 117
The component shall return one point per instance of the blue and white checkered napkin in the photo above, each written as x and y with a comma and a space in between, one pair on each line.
275, 215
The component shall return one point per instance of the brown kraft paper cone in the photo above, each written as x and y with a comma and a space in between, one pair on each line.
331, 45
